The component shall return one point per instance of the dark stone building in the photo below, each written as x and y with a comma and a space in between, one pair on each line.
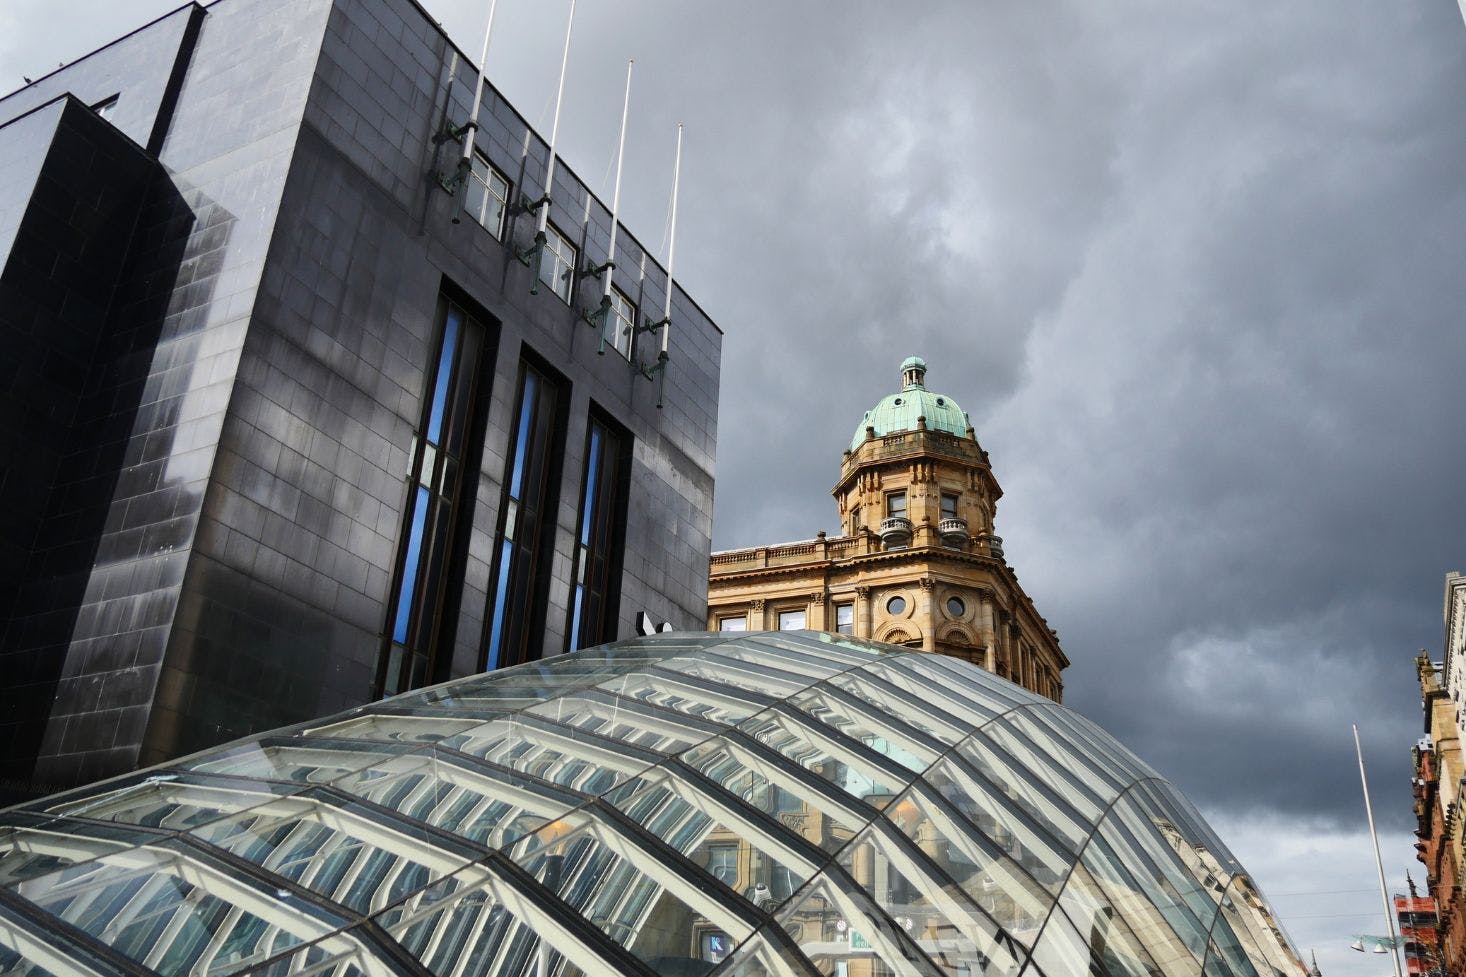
278, 435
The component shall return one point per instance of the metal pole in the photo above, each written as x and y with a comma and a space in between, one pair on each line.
555, 124
616, 191
478, 91
1378, 862
672, 243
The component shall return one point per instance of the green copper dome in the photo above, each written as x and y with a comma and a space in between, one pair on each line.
899, 411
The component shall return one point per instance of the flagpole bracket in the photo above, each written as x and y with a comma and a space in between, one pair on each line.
657, 372
530, 258
596, 271
659, 324
528, 206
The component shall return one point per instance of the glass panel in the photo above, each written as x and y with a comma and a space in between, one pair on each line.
800, 807
791, 620
410, 565
868, 685
672, 691
444, 375
718, 836
27, 853
989, 864
878, 731
316, 960
563, 757
303, 763
962, 689
343, 855
1089, 916
491, 808
848, 767
1013, 796
845, 618
394, 728
178, 805
936, 914
460, 926
841, 932
651, 909
173, 914
733, 623
625, 721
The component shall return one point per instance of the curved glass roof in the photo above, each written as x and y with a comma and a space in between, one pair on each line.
685, 804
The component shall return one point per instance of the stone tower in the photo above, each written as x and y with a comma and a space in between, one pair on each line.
917, 561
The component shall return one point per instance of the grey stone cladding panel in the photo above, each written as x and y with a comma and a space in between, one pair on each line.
198, 256
136, 68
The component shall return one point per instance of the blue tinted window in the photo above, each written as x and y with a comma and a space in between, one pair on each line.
445, 377
411, 566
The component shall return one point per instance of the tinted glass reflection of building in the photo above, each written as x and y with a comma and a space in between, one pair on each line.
684, 804
300, 427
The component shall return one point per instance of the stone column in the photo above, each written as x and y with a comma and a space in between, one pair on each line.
927, 614
757, 617
862, 613
987, 631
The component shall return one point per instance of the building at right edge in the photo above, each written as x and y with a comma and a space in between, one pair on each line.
917, 562
1437, 789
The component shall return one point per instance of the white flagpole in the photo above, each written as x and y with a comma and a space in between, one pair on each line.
555, 125
478, 94
1378, 862
616, 190
672, 244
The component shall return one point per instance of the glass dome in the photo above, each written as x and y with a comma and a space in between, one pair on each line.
684, 804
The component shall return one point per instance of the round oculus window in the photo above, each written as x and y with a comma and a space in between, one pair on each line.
941, 402
897, 401
955, 607
896, 605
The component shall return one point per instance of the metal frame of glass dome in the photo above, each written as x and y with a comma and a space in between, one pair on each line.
890, 811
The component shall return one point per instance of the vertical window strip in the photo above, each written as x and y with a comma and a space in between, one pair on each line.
408, 658
597, 564
525, 504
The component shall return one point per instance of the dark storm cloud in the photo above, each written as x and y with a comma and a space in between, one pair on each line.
1196, 270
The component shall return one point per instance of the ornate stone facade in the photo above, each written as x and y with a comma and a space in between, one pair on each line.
917, 562
1439, 770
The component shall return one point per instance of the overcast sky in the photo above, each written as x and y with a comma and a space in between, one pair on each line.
1197, 271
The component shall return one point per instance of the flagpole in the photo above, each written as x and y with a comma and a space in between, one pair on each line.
478, 93
672, 244
555, 124
616, 190
1378, 862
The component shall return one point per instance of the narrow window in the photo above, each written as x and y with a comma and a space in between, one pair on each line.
594, 606
487, 195
845, 618
949, 505
557, 262
855, 520
896, 505
410, 655
739, 623
528, 500
620, 324
791, 620
106, 106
